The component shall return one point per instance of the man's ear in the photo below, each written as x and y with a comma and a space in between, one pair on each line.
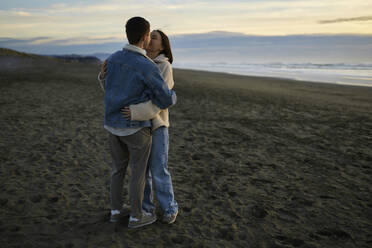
143, 38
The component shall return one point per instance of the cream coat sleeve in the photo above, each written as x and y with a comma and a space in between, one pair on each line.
167, 73
102, 82
143, 111
147, 110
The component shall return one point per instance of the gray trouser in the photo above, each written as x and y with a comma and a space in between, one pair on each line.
137, 147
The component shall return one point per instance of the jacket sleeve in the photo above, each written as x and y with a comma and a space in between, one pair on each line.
160, 94
167, 74
143, 111
147, 110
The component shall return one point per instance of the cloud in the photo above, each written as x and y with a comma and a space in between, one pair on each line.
354, 19
71, 18
40, 41
22, 13
4, 41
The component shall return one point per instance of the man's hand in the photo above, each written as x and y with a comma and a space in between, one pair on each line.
103, 70
126, 112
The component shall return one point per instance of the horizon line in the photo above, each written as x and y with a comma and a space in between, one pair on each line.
186, 34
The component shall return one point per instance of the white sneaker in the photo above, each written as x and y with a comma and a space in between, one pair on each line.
146, 219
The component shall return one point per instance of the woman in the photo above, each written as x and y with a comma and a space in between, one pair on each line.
158, 178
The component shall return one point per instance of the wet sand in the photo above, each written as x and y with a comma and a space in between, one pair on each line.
255, 162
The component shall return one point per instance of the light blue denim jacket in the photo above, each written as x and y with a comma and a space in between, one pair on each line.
133, 78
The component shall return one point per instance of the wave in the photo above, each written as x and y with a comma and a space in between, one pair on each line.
345, 73
336, 66
328, 66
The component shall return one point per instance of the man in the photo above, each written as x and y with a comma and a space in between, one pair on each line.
132, 78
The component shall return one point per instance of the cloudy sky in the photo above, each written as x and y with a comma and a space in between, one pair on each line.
105, 19
38, 26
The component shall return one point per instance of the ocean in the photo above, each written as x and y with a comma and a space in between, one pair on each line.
336, 73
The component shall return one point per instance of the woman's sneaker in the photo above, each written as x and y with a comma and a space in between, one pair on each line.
170, 218
146, 219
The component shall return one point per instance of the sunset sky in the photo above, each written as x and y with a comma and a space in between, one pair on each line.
207, 33
104, 20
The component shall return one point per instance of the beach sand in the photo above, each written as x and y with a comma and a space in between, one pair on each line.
255, 162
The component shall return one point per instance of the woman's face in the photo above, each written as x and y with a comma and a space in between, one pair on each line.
155, 43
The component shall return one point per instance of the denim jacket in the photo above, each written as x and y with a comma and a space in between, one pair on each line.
133, 78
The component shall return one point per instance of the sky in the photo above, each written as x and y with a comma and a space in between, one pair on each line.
73, 26
105, 19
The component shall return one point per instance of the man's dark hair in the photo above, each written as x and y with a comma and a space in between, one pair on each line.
136, 28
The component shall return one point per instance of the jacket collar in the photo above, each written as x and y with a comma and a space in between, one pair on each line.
136, 49
160, 58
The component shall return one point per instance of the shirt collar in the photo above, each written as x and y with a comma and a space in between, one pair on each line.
160, 58
135, 49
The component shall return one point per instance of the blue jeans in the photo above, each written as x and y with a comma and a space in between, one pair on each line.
158, 178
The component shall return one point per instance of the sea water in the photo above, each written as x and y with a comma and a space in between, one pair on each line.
337, 73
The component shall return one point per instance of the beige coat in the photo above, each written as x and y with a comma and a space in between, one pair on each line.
148, 110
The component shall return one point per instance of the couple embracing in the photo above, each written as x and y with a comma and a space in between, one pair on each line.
137, 82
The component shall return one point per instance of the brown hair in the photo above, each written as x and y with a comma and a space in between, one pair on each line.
167, 51
136, 28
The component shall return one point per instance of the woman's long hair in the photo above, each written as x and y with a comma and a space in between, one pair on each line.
167, 51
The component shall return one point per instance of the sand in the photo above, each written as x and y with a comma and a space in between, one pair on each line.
255, 162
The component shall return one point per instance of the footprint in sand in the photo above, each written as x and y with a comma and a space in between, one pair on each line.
36, 198
226, 234
53, 198
3, 202
259, 212
291, 241
334, 233
186, 209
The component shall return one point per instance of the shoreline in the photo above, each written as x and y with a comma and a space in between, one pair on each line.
278, 77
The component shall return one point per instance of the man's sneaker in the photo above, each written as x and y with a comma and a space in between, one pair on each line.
170, 218
146, 219
116, 215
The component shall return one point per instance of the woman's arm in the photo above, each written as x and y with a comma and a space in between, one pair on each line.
102, 75
167, 74
147, 110
102, 82
143, 111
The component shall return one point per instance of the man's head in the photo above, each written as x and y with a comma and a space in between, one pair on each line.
138, 31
